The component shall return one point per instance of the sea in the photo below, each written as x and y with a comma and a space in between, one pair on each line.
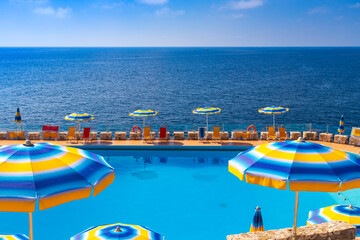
318, 85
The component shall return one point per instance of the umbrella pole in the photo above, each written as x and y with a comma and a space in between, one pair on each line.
30, 226
207, 124
295, 213
274, 120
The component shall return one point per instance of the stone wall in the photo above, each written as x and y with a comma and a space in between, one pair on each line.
326, 231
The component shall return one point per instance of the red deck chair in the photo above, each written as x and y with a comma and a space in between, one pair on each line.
163, 134
50, 132
86, 134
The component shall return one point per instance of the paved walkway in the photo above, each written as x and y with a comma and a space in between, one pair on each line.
186, 143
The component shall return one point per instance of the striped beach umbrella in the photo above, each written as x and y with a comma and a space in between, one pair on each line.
143, 113
14, 237
18, 118
349, 214
207, 111
118, 231
257, 223
273, 110
301, 165
50, 174
79, 117
341, 128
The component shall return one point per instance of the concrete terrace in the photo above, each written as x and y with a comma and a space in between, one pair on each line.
176, 144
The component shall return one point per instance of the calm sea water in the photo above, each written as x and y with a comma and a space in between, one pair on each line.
317, 84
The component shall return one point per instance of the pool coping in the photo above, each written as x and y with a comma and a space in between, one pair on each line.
157, 147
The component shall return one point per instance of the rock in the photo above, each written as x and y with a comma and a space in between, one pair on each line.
106, 136
224, 135
193, 135
295, 135
33, 136
135, 136
120, 136
325, 137
309, 135
342, 139
179, 136
264, 135
332, 230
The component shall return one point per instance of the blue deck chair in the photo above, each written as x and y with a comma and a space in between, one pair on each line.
202, 133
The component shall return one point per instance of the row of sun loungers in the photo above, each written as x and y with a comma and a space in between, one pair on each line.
52, 133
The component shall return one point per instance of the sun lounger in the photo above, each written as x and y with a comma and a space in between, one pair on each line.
86, 135
271, 133
163, 134
216, 133
14, 135
355, 132
71, 135
282, 133
50, 132
147, 134
202, 133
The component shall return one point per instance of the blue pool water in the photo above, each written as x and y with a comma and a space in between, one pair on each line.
181, 194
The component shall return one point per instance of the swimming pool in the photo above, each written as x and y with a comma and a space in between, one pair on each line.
183, 195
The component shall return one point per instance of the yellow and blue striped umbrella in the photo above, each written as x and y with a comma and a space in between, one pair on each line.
79, 117
207, 111
257, 223
51, 173
273, 110
349, 214
17, 116
118, 231
304, 166
341, 128
143, 113
14, 237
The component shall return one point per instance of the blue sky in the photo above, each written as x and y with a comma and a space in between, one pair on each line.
179, 23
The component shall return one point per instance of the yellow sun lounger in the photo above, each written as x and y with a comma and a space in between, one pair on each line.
147, 134
271, 133
216, 133
282, 133
355, 132
71, 135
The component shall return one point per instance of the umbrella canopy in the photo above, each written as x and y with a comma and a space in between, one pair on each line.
118, 231
341, 128
17, 116
349, 214
207, 111
273, 110
14, 237
51, 173
304, 166
257, 223
143, 113
79, 117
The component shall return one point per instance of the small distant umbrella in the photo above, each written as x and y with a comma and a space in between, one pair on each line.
143, 113
118, 231
349, 214
14, 237
341, 128
18, 117
257, 223
79, 117
273, 110
207, 111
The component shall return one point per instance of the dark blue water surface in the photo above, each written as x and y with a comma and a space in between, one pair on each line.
317, 84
